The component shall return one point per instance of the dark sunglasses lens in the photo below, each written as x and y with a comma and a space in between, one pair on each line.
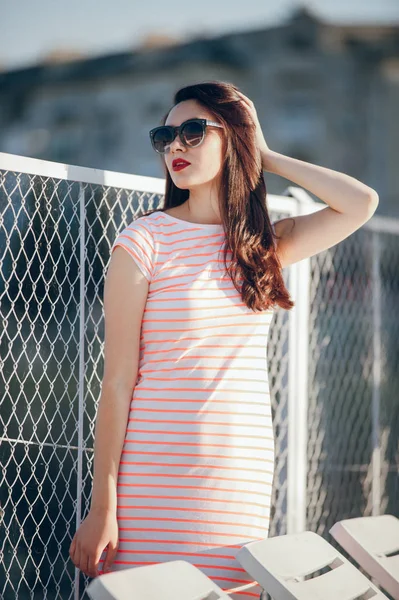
161, 138
193, 133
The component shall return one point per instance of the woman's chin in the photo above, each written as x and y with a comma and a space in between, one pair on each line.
181, 182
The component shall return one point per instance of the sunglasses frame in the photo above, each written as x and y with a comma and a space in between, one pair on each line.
178, 129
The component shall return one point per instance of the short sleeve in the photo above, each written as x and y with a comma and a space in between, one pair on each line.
138, 241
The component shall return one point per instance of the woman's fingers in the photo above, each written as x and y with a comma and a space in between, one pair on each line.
93, 566
87, 569
72, 551
245, 98
77, 558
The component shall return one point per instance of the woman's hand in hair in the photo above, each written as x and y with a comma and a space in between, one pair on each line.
260, 139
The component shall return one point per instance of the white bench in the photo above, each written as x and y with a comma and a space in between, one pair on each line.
173, 580
370, 540
280, 566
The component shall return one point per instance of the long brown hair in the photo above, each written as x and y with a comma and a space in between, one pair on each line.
248, 230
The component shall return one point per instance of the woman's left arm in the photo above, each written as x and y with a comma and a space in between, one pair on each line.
350, 204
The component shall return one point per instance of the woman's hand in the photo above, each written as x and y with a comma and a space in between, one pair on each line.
260, 139
97, 533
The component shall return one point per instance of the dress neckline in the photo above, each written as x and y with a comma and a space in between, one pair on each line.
214, 226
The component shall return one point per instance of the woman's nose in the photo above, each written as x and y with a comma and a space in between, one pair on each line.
177, 143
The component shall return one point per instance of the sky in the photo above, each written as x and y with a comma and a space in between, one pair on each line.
30, 29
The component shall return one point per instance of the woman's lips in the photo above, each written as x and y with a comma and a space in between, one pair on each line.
180, 167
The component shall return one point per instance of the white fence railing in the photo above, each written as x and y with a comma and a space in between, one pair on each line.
332, 366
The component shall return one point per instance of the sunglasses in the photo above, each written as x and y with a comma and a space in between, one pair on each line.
191, 133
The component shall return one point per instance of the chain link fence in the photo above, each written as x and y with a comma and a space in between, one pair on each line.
353, 393
332, 367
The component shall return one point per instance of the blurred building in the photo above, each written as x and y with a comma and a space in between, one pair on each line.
324, 93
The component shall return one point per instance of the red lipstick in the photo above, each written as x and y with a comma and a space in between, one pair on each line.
179, 163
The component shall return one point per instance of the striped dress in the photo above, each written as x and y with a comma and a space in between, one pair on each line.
196, 470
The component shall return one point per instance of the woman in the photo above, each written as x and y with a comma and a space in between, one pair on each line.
184, 451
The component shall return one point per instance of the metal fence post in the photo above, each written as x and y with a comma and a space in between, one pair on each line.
376, 396
79, 485
298, 382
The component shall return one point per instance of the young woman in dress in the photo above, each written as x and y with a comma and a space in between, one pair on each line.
184, 449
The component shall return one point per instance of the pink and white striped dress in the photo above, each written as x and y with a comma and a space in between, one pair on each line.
196, 470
